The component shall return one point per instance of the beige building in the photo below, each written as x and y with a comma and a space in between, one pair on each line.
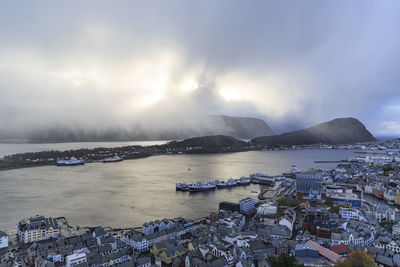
37, 228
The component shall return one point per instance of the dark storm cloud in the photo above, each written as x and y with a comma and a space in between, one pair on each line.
103, 63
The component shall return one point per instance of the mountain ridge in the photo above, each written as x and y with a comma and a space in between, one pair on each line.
337, 131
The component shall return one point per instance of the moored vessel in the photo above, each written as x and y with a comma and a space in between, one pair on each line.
243, 181
182, 186
71, 162
113, 159
201, 187
230, 183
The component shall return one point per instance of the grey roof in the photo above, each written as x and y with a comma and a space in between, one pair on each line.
37, 222
99, 231
277, 230
143, 260
218, 262
137, 238
2, 234
304, 246
384, 260
396, 259
384, 209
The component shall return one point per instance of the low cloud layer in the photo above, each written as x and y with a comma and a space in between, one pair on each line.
102, 64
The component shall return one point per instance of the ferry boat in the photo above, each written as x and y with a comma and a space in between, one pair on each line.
243, 181
71, 162
230, 183
201, 187
113, 159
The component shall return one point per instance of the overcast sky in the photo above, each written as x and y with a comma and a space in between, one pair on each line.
293, 63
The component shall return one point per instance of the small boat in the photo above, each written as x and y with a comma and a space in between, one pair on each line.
202, 187
71, 162
182, 187
243, 181
230, 183
113, 159
294, 170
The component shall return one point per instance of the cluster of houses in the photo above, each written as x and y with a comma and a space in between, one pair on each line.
349, 208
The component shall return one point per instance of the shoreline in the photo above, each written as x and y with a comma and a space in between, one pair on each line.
146, 155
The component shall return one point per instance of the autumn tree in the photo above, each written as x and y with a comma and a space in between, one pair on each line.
357, 259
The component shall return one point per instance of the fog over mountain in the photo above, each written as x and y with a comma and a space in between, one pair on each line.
150, 67
239, 127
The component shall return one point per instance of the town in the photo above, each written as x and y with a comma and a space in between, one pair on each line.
320, 219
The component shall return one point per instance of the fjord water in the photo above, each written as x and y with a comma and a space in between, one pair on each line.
128, 193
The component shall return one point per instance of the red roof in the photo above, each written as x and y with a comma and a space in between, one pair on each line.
327, 253
340, 249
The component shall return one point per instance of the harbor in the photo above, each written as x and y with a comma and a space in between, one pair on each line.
284, 180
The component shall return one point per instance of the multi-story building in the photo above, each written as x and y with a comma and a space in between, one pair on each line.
37, 228
396, 229
3, 240
267, 209
351, 213
319, 222
390, 195
137, 242
385, 213
144, 262
75, 259
309, 181
378, 192
156, 226
247, 205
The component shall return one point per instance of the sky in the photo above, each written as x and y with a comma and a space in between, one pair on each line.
99, 64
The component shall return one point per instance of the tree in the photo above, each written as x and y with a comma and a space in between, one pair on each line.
358, 259
284, 260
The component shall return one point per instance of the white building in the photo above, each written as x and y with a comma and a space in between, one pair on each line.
390, 195
351, 213
156, 226
136, 241
75, 259
288, 220
396, 229
385, 213
352, 238
267, 209
37, 228
247, 205
368, 189
388, 244
3, 240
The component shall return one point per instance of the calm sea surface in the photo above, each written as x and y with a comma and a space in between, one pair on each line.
131, 192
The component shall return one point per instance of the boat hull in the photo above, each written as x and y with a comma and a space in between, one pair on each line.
113, 160
225, 185
70, 164
195, 190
